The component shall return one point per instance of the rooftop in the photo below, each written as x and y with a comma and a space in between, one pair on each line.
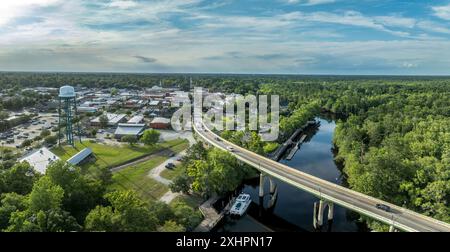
130, 129
80, 156
160, 120
40, 159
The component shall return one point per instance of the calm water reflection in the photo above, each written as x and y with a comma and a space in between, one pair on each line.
294, 208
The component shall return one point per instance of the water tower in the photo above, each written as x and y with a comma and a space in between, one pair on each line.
67, 111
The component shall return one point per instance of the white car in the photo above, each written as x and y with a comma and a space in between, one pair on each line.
230, 148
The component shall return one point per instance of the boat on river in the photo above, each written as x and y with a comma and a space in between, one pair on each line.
241, 204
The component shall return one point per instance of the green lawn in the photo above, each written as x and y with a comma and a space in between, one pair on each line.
136, 178
193, 201
171, 174
110, 156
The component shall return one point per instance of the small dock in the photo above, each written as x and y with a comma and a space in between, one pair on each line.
210, 215
288, 144
296, 148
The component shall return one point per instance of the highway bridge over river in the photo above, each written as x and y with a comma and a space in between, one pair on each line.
328, 193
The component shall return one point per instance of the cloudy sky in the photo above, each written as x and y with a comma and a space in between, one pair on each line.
227, 36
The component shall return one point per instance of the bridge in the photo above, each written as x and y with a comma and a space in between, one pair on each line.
397, 218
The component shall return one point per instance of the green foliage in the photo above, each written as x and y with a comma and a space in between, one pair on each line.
103, 119
127, 213
51, 140
45, 133
19, 179
131, 140
150, 137
171, 226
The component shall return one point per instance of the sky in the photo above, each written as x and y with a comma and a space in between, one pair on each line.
379, 37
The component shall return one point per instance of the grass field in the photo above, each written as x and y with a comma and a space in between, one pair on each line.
193, 201
136, 178
171, 174
110, 156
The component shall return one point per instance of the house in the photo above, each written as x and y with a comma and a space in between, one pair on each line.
160, 123
113, 119
127, 129
40, 159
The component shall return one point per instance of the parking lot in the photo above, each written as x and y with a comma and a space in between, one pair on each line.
15, 136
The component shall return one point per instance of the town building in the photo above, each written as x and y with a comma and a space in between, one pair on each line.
160, 123
128, 129
113, 119
136, 119
40, 159
81, 157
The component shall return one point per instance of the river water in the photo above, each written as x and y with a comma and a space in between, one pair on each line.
293, 210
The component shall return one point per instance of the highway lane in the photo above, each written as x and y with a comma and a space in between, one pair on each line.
398, 217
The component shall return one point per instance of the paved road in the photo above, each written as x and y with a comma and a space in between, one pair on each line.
400, 218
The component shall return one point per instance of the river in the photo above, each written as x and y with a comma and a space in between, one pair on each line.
293, 210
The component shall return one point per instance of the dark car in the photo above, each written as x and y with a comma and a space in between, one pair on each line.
383, 207
170, 166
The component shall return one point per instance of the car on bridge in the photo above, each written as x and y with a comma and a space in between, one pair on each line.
383, 207
231, 149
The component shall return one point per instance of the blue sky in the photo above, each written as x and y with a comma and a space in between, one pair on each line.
227, 36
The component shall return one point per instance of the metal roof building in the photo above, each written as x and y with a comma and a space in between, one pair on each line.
136, 119
113, 119
80, 156
40, 159
127, 129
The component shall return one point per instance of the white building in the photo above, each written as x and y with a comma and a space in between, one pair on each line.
40, 159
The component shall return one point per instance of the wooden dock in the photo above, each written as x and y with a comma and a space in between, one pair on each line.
210, 215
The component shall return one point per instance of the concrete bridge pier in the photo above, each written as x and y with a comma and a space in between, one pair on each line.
319, 209
261, 185
272, 186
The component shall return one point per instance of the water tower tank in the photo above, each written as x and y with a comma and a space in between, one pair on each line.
66, 92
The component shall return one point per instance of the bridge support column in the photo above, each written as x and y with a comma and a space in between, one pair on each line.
261, 185
330, 211
320, 212
392, 229
272, 186
319, 209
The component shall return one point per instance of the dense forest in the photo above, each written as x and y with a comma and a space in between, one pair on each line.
392, 136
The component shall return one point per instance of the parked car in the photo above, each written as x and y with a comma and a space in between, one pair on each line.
170, 166
383, 207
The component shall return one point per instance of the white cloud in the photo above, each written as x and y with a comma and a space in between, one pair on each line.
123, 4
442, 11
309, 2
10, 9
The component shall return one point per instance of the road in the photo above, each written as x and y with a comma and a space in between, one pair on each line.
398, 217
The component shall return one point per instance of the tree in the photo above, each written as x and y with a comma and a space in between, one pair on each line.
94, 132
114, 91
26, 143
50, 140
45, 133
44, 213
127, 213
19, 178
81, 193
10, 203
171, 226
186, 216
103, 119
150, 137
45, 195
181, 183
131, 140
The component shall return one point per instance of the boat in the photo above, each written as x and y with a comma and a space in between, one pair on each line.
241, 204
